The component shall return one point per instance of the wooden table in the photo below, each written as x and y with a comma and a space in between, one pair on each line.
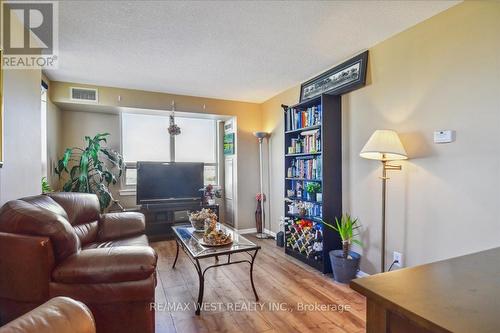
456, 295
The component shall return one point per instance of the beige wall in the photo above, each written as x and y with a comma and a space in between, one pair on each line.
54, 138
22, 170
443, 73
76, 125
274, 162
248, 117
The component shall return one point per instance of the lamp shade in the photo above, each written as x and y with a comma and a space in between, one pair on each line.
384, 145
261, 135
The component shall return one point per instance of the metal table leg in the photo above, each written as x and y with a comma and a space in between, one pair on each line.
200, 288
176, 253
201, 274
251, 276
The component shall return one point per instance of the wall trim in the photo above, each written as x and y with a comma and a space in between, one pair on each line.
127, 192
247, 231
361, 274
254, 231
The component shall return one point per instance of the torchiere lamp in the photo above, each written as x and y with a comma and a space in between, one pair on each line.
384, 146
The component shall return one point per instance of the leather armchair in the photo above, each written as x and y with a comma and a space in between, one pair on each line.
60, 314
60, 245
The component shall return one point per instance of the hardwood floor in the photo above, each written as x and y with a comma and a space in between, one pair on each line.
281, 281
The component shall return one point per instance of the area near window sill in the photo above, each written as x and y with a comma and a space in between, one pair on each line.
127, 192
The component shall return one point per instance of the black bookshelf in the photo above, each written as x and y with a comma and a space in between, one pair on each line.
304, 232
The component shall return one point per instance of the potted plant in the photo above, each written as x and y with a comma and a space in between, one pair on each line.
46, 188
210, 192
312, 188
345, 263
92, 169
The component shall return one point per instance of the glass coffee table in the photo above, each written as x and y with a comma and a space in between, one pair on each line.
189, 240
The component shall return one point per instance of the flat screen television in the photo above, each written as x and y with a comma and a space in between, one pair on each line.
164, 182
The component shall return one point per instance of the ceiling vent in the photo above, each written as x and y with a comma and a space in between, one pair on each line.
84, 95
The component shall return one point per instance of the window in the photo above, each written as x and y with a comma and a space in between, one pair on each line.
145, 138
43, 110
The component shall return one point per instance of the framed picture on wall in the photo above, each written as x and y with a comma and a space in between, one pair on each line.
343, 78
229, 144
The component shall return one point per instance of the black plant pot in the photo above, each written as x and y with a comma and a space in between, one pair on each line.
344, 269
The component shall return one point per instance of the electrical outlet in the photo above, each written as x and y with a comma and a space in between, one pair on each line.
398, 257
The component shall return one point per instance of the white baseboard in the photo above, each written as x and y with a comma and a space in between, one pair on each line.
247, 231
270, 232
362, 274
254, 231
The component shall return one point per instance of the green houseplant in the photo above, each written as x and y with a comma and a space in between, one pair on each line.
312, 188
345, 263
91, 169
46, 188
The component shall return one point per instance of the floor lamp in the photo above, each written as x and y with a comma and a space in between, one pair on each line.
384, 146
261, 136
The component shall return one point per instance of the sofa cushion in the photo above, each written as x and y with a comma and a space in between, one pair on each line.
47, 203
83, 212
121, 225
107, 293
80, 207
107, 265
24, 217
141, 240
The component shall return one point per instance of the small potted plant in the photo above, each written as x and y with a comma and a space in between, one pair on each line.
312, 188
210, 192
345, 263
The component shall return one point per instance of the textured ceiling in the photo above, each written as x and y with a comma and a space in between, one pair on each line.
247, 51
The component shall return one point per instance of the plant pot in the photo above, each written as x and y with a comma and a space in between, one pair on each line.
311, 196
344, 269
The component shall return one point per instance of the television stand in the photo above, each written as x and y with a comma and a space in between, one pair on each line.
161, 217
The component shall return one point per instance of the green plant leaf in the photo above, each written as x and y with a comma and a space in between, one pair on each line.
46, 186
89, 171
68, 186
62, 164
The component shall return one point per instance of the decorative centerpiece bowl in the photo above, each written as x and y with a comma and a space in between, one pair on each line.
197, 224
198, 219
214, 236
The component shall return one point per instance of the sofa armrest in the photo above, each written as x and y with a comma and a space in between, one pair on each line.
120, 225
107, 265
60, 314
26, 263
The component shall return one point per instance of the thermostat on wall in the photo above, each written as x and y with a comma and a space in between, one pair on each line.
444, 136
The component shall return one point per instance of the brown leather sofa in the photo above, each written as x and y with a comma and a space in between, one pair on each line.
60, 245
60, 314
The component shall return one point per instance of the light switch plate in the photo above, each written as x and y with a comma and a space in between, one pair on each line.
444, 136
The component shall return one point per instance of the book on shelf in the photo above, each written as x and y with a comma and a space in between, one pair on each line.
307, 168
296, 119
306, 142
